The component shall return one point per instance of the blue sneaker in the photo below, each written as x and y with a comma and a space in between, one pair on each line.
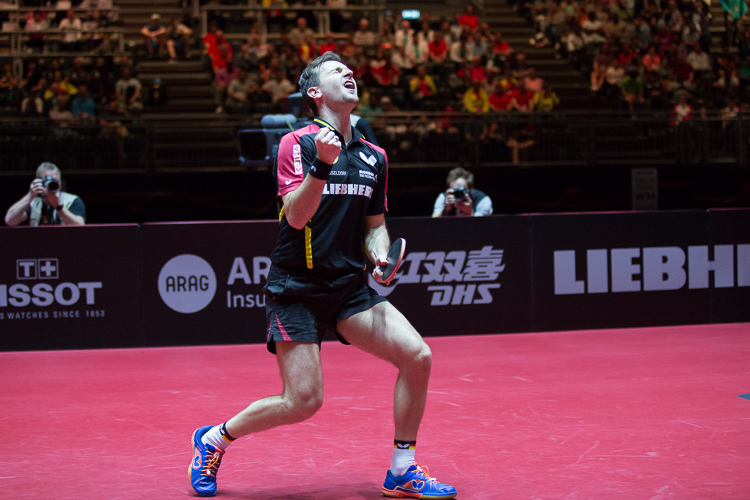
205, 464
416, 483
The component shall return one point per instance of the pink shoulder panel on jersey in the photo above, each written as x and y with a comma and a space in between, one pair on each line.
289, 167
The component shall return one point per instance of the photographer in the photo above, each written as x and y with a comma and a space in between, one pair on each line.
461, 199
45, 203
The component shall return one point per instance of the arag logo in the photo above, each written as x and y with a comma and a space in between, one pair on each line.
187, 283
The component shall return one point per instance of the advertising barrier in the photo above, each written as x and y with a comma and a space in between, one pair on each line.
70, 287
201, 283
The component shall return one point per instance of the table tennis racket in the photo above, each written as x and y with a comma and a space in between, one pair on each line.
395, 254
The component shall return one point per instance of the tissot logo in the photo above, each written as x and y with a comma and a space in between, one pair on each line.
187, 283
32, 269
34, 290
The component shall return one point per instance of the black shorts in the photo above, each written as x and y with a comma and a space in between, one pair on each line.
303, 308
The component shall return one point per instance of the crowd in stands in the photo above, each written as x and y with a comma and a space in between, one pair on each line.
648, 55
74, 30
443, 66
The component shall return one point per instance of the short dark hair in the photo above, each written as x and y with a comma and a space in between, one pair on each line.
310, 77
460, 173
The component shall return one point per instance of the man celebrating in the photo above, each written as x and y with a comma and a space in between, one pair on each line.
45, 204
333, 186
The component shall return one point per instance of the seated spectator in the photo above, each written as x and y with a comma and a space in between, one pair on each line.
426, 34
386, 36
178, 39
103, 81
370, 108
652, 60
522, 99
83, 107
401, 61
479, 46
726, 81
155, 35
128, 92
385, 73
403, 34
36, 23
72, 28
469, 21
731, 112
475, 99
575, 47
278, 87
8, 86
593, 31
627, 55
417, 50
500, 98
241, 92
32, 105
682, 111
93, 26
611, 86
422, 86
60, 85
700, 62
308, 51
520, 68
256, 48
330, 45
616, 27
221, 82
664, 39
690, 34
460, 50
533, 82
632, 90
640, 31
683, 73
438, 50
299, 34
62, 119
500, 51
546, 100
364, 36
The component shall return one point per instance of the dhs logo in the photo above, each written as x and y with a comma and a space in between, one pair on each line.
187, 284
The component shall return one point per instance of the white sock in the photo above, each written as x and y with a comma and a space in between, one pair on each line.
403, 456
218, 437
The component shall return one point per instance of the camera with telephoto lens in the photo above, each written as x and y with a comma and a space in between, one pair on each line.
459, 193
51, 184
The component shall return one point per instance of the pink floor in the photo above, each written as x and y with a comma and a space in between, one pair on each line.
610, 414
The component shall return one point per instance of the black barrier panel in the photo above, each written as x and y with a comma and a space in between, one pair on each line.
620, 270
202, 282
463, 275
730, 233
69, 287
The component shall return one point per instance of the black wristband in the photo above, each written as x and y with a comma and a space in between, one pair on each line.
320, 169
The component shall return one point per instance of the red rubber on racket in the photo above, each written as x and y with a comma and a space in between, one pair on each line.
395, 254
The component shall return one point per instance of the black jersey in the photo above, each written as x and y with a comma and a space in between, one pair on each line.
331, 243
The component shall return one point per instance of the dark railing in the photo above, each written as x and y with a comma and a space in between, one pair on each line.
411, 140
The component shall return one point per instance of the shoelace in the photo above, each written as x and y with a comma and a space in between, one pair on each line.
425, 471
212, 465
